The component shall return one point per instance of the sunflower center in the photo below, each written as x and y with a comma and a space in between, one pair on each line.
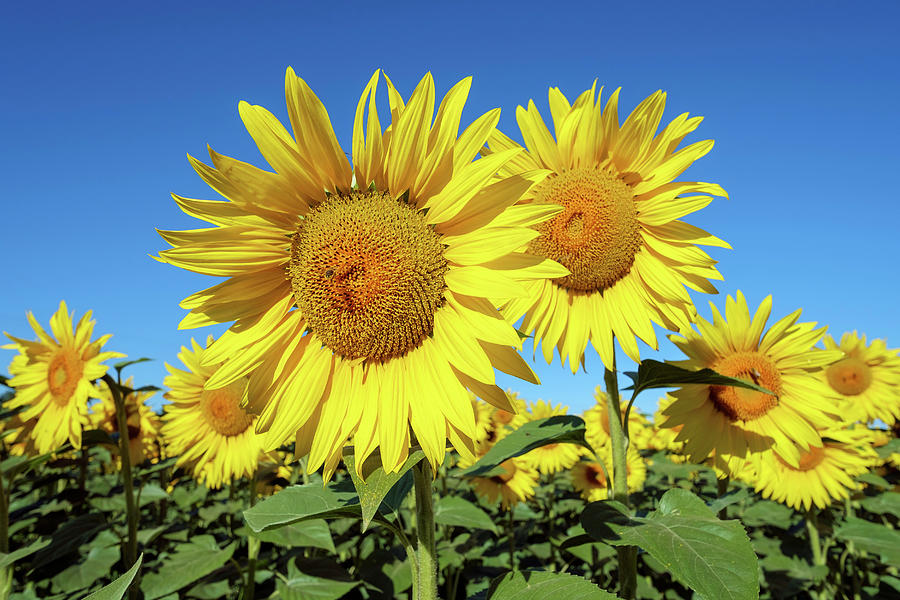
808, 460
509, 471
222, 410
368, 274
595, 476
849, 376
597, 234
741, 404
63, 374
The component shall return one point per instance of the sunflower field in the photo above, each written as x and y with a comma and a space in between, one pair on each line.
347, 436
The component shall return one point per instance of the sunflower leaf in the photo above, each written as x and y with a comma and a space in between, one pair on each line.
127, 363
452, 510
116, 590
559, 429
302, 503
655, 374
871, 537
375, 484
538, 585
712, 557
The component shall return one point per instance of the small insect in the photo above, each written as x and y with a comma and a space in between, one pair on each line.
329, 273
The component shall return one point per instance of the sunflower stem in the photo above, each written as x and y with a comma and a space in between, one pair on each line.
127, 483
627, 554
6, 573
511, 537
812, 527
427, 555
252, 545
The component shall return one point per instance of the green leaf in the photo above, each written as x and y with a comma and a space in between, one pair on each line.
871, 537
302, 503
94, 568
8, 559
117, 588
210, 591
655, 374
453, 510
796, 568
93, 437
301, 586
728, 499
882, 504
376, 484
560, 429
540, 585
890, 448
189, 563
306, 534
127, 363
875, 480
711, 557
766, 512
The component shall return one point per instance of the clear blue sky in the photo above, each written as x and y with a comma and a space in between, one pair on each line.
101, 102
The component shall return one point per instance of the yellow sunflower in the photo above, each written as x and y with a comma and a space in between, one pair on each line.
629, 256
663, 438
596, 420
515, 484
732, 423
142, 422
20, 442
822, 474
868, 377
360, 299
483, 422
207, 428
589, 478
53, 377
553, 457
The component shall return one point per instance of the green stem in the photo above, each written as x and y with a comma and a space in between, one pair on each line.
812, 527
511, 537
6, 573
127, 484
627, 554
427, 554
252, 546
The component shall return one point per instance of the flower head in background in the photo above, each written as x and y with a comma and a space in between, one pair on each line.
53, 377
732, 423
551, 458
630, 257
868, 378
362, 299
208, 429
142, 422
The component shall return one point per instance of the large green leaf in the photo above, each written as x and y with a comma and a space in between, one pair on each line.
766, 512
883, 504
375, 483
191, 561
305, 534
560, 429
301, 503
540, 585
8, 559
116, 590
712, 557
302, 586
655, 374
871, 537
453, 510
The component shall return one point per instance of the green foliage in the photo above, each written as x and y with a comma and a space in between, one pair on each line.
654, 374
187, 564
375, 484
871, 537
712, 557
302, 503
559, 429
453, 510
537, 585
116, 590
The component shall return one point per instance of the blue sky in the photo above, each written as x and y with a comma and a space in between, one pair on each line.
101, 102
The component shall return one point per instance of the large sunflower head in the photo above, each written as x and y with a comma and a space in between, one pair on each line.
823, 473
867, 378
208, 428
53, 377
142, 422
733, 423
360, 287
630, 257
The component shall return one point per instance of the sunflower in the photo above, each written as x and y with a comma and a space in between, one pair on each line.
629, 256
207, 427
515, 484
551, 458
20, 441
822, 474
732, 423
596, 420
483, 424
53, 377
868, 378
589, 478
663, 438
354, 295
143, 424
